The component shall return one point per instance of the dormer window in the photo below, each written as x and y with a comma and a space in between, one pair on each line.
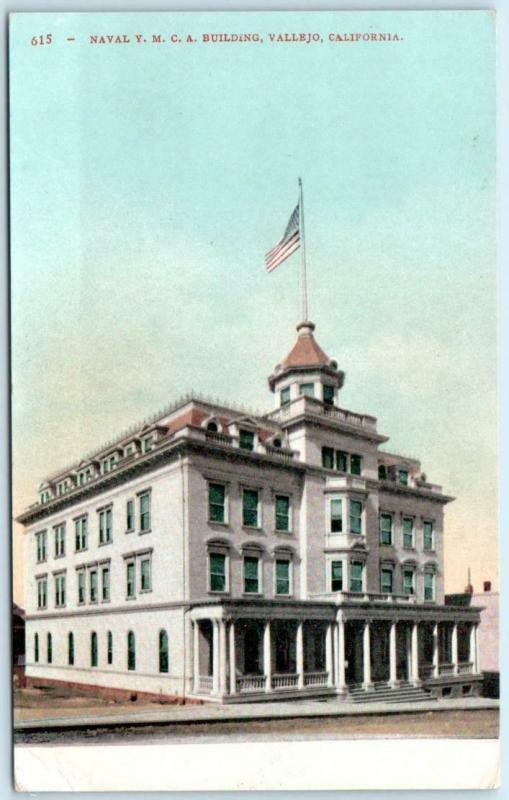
148, 443
307, 389
382, 472
403, 477
130, 449
246, 439
285, 396
328, 395
109, 463
277, 443
212, 427
45, 496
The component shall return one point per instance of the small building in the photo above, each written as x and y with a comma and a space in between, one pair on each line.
217, 554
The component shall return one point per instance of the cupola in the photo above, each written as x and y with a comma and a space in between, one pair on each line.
306, 371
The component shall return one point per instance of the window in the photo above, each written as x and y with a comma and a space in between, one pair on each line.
341, 461
217, 572
70, 649
277, 443
382, 473
59, 591
403, 477
336, 570
80, 533
42, 592
36, 648
130, 573
355, 516
146, 576
356, 574
328, 395
355, 464
109, 647
282, 576
109, 463
327, 457
93, 649
408, 581
408, 532
212, 427
251, 575
59, 540
246, 440
130, 449
49, 648
285, 396
307, 389
105, 575
163, 652
131, 651
217, 498
282, 505
250, 508
386, 580
93, 586
336, 515
41, 539
129, 515
45, 496
428, 535
145, 512
429, 586
148, 444
105, 526
81, 586
385, 528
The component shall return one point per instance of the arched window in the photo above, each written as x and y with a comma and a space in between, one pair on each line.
131, 651
276, 442
110, 647
93, 649
163, 651
49, 643
36, 648
70, 649
212, 426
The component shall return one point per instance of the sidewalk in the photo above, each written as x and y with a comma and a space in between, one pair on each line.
294, 709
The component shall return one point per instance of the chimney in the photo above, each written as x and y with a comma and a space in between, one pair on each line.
487, 586
469, 589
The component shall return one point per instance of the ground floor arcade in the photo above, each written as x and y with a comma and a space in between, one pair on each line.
242, 651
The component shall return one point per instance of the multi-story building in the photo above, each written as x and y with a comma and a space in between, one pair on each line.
218, 554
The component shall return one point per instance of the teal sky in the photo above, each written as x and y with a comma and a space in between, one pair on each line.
149, 180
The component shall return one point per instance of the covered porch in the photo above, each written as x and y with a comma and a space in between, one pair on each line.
262, 649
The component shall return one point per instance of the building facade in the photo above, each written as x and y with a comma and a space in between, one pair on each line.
214, 554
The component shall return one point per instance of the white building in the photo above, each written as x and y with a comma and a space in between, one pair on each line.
214, 554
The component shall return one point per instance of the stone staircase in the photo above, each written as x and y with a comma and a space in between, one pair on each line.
382, 693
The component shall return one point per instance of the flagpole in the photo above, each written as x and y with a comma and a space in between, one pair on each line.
304, 285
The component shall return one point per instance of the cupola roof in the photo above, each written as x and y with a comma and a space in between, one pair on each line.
306, 356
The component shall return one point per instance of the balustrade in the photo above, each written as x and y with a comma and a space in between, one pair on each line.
287, 681
316, 678
251, 683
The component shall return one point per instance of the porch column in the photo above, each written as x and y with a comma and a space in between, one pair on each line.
340, 657
215, 656
415, 653
233, 658
366, 657
393, 671
454, 648
196, 656
300, 654
329, 664
477, 653
267, 655
436, 653
408, 635
223, 661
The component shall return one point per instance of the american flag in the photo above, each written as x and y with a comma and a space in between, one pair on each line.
287, 245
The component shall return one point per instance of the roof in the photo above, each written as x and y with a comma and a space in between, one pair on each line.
306, 352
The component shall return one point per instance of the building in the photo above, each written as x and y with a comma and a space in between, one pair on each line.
215, 554
18, 645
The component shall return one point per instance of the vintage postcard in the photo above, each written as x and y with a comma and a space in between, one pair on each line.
254, 368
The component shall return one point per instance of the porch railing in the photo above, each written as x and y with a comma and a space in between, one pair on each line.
465, 667
316, 678
251, 683
426, 671
287, 681
446, 669
206, 683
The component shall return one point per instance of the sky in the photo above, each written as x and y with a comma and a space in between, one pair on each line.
148, 181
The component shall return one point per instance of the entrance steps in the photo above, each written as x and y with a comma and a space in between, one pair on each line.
383, 693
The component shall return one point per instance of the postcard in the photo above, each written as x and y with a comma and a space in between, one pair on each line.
254, 369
